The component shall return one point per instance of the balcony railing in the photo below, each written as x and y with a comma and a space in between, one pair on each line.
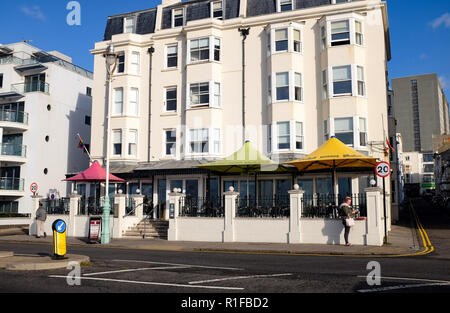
18, 61
13, 150
15, 184
14, 116
31, 87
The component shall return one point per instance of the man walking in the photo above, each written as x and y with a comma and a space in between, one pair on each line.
41, 217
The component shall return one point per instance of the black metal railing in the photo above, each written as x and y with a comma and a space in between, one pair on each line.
328, 205
93, 206
274, 207
56, 206
202, 207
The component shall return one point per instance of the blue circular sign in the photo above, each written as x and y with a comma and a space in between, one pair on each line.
61, 226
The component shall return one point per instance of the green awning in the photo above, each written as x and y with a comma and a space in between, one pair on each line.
245, 160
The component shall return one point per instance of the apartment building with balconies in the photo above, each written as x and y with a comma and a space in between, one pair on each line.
45, 101
196, 79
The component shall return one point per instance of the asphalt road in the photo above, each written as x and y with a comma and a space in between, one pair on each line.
189, 273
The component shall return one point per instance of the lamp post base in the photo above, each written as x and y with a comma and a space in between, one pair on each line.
106, 236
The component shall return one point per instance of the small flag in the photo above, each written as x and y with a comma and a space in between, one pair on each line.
81, 144
390, 146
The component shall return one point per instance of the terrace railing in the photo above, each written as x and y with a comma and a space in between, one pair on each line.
59, 206
202, 207
327, 205
273, 207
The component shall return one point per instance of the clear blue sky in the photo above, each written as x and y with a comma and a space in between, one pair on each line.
420, 31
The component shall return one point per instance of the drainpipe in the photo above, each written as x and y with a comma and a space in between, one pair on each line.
150, 50
244, 33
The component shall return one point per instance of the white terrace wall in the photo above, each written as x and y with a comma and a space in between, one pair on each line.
278, 230
78, 225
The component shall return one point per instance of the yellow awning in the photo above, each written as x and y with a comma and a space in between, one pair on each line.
333, 154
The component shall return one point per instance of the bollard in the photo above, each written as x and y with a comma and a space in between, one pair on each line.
59, 239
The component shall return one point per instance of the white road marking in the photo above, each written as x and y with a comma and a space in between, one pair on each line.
236, 278
188, 265
136, 270
411, 279
146, 283
402, 287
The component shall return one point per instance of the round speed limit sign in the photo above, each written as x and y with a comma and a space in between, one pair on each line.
34, 188
383, 169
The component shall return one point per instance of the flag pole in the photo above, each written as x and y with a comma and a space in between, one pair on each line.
85, 149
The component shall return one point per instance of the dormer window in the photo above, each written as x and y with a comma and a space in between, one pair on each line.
177, 17
284, 5
217, 9
129, 25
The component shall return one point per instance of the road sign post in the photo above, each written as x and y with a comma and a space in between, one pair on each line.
383, 170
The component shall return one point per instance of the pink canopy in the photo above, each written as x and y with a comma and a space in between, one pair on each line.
95, 173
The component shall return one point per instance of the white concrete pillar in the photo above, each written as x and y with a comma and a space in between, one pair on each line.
74, 205
174, 212
119, 229
296, 205
34, 206
139, 206
375, 223
230, 214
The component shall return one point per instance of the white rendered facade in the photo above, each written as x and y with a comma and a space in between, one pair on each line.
45, 105
304, 82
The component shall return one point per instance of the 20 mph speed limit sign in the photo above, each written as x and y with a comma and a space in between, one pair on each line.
383, 169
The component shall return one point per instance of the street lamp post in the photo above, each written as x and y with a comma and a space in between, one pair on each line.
111, 63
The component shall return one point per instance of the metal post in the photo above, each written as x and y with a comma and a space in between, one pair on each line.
384, 209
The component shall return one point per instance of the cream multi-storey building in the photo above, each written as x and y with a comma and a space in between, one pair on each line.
196, 79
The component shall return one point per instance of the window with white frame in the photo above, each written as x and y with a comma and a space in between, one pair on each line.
217, 49
217, 9
342, 80
117, 142
361, 81
269, 90
281, 40
129, 25
298, 89
324, 84
339, 1
298, 135
362, 132
171, 99
205, 94
118, 101
359, 38
134, 101
172, 56
171, 142
282, 81
199, 49
120, 63
199, 140
216, 141
217, 94
343, 130
342, 30
199, 94
135, 63
284, 136
177, 17
297, 40
285, 5
340, 33
132, 142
